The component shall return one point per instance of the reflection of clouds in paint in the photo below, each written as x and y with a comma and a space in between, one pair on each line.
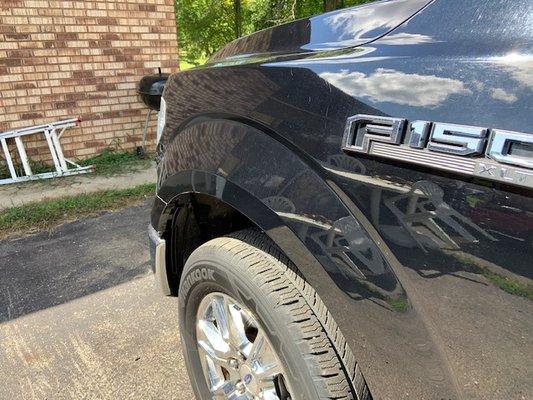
500, 94
355, 23
388, 85
519, 67
406, 38
477, 85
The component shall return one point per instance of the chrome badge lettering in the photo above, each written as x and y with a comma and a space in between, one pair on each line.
493, 154
371, 128
501, 148
457, 139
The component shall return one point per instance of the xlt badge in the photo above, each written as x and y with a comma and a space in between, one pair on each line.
493, 154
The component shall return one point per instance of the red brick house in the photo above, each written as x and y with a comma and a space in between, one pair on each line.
83, 58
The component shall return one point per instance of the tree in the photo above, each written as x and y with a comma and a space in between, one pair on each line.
330, 5
237, 15
206, 25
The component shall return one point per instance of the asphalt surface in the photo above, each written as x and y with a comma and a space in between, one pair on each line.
80, 317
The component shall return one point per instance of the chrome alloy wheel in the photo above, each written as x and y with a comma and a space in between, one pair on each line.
238, 360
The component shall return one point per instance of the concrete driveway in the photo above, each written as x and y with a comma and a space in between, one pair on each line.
80, 318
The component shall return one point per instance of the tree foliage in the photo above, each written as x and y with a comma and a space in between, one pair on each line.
206, 25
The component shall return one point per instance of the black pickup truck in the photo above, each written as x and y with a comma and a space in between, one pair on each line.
344, 206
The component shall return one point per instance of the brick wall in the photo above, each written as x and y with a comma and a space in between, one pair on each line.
66, 59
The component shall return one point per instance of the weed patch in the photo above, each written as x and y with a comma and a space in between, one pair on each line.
111, 162
510, 286
33, 217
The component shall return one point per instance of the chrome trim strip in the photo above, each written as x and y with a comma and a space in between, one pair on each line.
447, 162
482, 168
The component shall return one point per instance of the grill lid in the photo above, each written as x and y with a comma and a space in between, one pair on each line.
150, 89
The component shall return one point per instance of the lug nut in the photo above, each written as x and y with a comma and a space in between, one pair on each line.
240, 388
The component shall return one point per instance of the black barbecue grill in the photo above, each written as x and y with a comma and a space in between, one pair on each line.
151, 88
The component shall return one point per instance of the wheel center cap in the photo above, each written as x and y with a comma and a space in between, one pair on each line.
247, 379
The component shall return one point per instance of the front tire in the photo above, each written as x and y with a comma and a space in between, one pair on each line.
259, 288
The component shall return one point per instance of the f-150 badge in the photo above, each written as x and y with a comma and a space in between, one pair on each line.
493, 154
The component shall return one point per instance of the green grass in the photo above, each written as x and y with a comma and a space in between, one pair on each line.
507, 284
399, 305
37, 167
111, 162
33, 217
510, 286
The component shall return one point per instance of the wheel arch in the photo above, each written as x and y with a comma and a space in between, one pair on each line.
223, 161
200, 214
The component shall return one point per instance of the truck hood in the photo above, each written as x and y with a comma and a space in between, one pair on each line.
334, 30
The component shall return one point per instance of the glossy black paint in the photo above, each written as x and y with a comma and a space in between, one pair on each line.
428, 310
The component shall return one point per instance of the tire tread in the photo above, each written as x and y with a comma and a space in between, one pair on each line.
332, 365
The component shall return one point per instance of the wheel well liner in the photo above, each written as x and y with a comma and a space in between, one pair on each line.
195, 219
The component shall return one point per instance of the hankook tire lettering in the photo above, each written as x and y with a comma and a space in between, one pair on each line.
197, 275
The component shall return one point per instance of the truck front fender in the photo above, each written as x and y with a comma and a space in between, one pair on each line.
327, 238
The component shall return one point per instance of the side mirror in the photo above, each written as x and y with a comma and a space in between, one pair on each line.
151, 88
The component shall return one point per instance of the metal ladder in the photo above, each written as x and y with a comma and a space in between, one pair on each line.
52, 133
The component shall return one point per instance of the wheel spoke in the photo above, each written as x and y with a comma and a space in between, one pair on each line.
212, 354
269, 394
212, 335
236, 396
223, 390
262, 359
266, 380
211, 341
258, 348
220, 313
236, 326
237, 357
212, 373
267, 373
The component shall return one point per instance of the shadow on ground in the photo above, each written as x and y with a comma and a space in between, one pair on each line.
80, 317
74, 260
